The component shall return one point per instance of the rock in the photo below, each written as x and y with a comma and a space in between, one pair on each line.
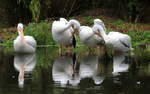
1, 40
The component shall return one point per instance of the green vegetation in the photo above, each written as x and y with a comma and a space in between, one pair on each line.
88, 20
42, 32
7, 37
139, 38
35, 9
14, 11
119, 22
44, 55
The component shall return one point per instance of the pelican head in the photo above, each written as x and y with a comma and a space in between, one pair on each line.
20, 26
63, 20
98, 80
21, 83
20, 29
75, 24
98, 30
98, 21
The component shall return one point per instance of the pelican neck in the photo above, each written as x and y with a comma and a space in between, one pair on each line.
104, 35
21, 34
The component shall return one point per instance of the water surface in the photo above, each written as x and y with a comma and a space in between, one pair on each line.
46, 72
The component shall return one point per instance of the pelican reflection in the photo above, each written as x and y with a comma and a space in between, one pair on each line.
64, 71
90, 68
24, 63
120, 63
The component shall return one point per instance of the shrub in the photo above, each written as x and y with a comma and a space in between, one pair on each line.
139, 37
41, 32
146, 35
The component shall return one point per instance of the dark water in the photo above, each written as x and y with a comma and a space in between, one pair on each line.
45, 72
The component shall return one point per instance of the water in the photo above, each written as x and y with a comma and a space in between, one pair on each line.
46, 72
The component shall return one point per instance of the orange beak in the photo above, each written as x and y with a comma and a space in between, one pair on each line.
20, 29
99, 34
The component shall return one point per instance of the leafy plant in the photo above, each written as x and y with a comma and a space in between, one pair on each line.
146, 35
35, 9
139, 37
41, 32
34, 6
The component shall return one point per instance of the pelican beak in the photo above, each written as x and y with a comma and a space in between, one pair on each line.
99, 34
20, 29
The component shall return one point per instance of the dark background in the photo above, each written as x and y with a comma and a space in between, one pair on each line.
14, 11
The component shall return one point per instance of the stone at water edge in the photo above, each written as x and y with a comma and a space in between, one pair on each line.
1, 40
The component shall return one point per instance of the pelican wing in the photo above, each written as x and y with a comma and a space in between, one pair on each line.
30, 41
125, 40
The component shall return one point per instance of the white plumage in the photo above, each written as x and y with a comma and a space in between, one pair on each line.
62, 31
89, 69
88, 37
66, 22
119, 64
24, 44
119, 41
100, 22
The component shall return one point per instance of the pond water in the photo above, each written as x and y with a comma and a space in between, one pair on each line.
46, 72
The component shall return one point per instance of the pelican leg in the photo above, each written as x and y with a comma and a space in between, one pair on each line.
21, 75
60, 49
69, 49
101, 50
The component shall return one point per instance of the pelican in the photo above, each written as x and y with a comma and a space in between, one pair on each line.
71, 30
119, 41
88, 37
62, 31
24, 63
24, 44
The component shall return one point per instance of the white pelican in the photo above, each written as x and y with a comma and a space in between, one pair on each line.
89, 68
88, 37
119, 41
24, 44
24, 63
63, 71
62, 31
119, 64
71, 30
